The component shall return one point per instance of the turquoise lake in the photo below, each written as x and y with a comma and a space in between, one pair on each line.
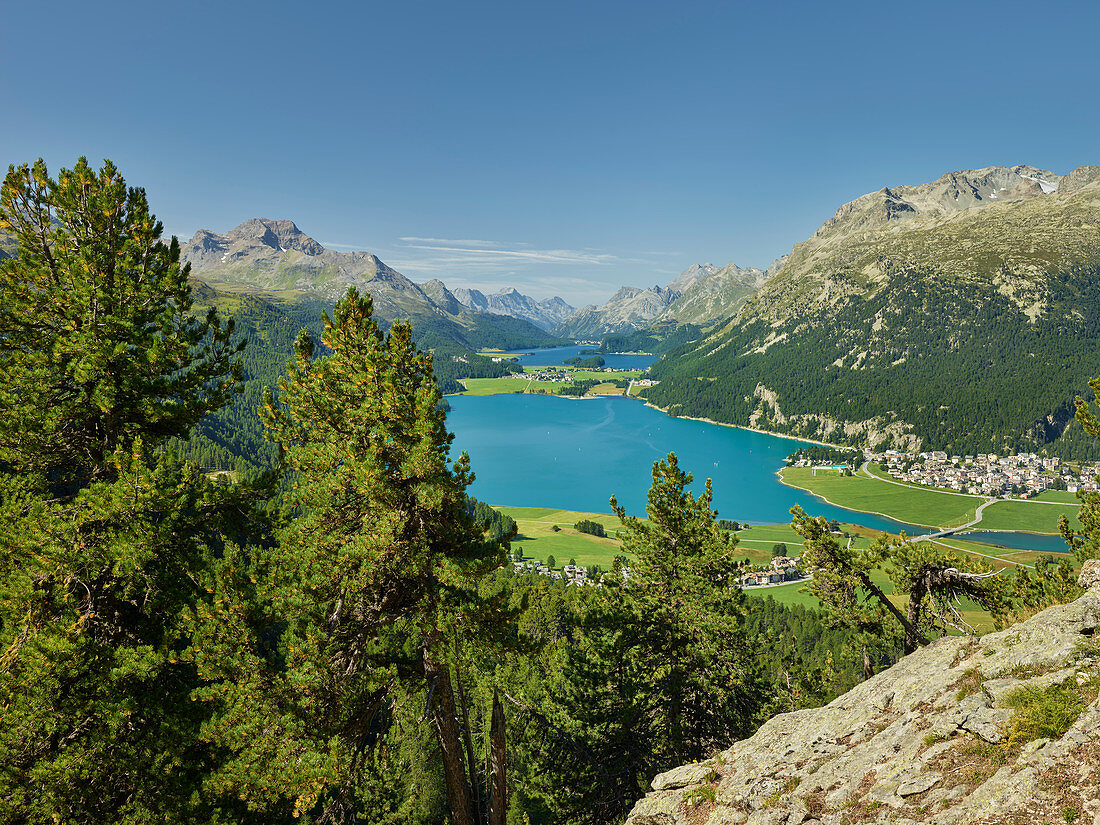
573, 454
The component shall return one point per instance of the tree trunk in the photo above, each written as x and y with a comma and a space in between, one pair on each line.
498, 772
913, 637
445, 717
470, 761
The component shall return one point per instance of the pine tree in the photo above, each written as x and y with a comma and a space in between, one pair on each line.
934, 581
662, 672
97, 343
684, 590
367, 591
107, 537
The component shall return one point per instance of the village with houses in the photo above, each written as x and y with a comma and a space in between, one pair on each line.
781, 570
1018, 475
571, 574
560, 376
1022, 475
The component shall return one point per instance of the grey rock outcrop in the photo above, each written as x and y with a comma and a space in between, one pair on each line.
930, 740
1090, 574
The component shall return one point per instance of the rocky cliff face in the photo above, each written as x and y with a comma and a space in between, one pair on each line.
950, 193
1021, 223
953, 734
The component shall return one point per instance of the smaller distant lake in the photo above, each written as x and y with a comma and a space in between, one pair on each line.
556, 356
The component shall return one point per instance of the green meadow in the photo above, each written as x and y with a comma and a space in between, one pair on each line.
913, 505
501, 386
1034, 516
515, 383
538, 539
930, 507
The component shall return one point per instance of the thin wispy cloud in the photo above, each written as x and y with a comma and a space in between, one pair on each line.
482, 250
466, 242
582, 276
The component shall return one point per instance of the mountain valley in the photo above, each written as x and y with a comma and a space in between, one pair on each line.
957, 315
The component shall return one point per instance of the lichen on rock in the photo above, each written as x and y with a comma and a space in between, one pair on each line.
932, 739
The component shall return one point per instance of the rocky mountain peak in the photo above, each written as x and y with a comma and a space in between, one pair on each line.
950, 193
510, 301
1083, 177
277, 234
692, 274
623, 293
442, 297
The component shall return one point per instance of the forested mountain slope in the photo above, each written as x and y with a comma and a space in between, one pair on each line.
959, 315
232, 438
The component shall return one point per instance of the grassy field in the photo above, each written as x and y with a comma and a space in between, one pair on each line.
1028, 516
606, 389
1060, 496
913, 505
513, 384
793, 594
538, 540
502, 386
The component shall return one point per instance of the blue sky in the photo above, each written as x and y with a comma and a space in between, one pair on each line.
564, 148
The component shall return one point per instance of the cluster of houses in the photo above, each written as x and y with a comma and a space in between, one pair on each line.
782, 569
1022, 475
550, 374
571, 574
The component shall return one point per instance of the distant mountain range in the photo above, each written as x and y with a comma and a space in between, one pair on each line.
546, 314
275, 258
629, 308
961, 314
701, 294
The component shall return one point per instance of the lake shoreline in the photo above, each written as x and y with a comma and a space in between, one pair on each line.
785, 483
574, 456
742, 427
